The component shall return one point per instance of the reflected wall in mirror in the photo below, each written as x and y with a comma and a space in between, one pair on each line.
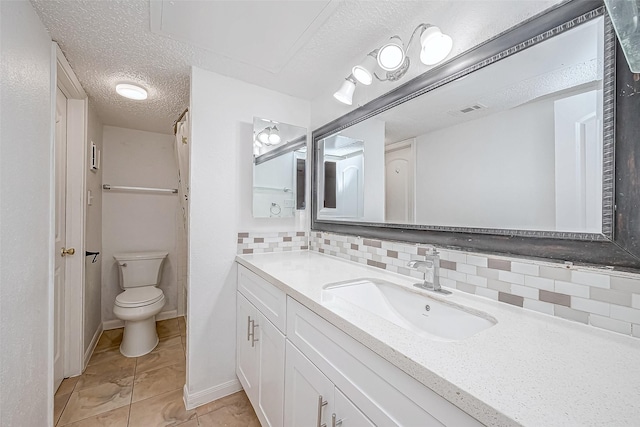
515, 145
279, 168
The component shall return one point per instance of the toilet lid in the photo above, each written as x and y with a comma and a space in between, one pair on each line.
137, 297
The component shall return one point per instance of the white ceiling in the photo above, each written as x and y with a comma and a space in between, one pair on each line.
314, 44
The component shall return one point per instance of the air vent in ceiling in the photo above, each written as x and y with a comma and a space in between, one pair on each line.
468, 109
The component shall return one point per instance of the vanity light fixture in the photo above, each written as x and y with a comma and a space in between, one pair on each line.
392, 58
131, 91
274, 136
263, 137
391, 55
345, 93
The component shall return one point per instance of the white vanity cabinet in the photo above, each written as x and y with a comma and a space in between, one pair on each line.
311, 399
260, 352
317, 375
365, 383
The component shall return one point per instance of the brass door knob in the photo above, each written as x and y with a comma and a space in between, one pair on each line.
69, 251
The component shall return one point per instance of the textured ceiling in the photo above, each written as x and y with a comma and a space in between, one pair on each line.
110, 41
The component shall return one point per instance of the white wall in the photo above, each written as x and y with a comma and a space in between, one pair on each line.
504, 180
222, 111
26, 250
93, 235
372, 133
137, 221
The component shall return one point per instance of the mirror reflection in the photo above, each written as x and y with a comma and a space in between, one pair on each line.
515, 145
279, 168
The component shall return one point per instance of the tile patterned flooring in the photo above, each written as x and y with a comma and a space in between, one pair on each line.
146, 391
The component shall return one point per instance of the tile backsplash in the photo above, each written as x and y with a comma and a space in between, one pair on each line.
253, 243
599, 297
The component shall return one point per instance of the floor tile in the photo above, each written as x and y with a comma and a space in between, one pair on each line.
107, 356
158, 381
109, 339
190, 423
183, 326
115, 418
163, 410
103, 373
67, 385
160, 358
167, 328
96, 400
59, 402
226, 417
168, 342
237, 401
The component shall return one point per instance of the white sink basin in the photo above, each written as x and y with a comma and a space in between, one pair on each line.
428, 317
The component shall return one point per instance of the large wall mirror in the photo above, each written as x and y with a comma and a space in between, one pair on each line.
279, 168
507, 148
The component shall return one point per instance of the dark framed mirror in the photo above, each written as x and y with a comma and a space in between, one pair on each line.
580, 206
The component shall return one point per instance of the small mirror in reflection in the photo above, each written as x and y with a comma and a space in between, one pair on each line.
279, 168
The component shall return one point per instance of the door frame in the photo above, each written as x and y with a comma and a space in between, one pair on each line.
77, 112
411, 142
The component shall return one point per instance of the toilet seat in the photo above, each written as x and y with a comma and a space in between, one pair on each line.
139, 297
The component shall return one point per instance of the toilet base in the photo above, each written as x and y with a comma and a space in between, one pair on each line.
140, 337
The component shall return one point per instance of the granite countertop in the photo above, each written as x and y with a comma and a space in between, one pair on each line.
529, 369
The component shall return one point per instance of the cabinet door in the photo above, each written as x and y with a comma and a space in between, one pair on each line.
270, 345
308, 399
246, 353
347, 414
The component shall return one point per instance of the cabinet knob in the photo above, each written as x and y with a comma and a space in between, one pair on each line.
335, 422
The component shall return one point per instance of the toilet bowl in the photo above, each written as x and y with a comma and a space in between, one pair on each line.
141, 300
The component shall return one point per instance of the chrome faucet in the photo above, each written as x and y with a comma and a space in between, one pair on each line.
432, 261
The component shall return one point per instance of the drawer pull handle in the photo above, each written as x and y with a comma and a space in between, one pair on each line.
334, 421
249, 321
254, 340
321, 403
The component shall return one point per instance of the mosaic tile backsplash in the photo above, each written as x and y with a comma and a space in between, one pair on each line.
595, 296
253, 243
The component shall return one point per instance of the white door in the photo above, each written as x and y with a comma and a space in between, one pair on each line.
60, 233
578, 163
399, 191
347, 414
246, 354
308, 397
270, 345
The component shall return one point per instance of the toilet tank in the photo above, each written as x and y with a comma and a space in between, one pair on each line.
140, 268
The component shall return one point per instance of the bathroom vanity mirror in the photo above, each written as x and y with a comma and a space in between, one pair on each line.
279, 168
507, 148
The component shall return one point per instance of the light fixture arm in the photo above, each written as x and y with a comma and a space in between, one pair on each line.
422, 27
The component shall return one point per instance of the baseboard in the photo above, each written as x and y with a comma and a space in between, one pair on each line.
92, 347
194, 400
117, 323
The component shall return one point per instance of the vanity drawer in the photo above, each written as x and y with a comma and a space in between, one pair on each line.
383, 392
269, 300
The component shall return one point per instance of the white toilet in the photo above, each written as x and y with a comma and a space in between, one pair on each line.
141, 300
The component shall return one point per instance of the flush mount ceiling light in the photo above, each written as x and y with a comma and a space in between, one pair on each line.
393, 59
131, 91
